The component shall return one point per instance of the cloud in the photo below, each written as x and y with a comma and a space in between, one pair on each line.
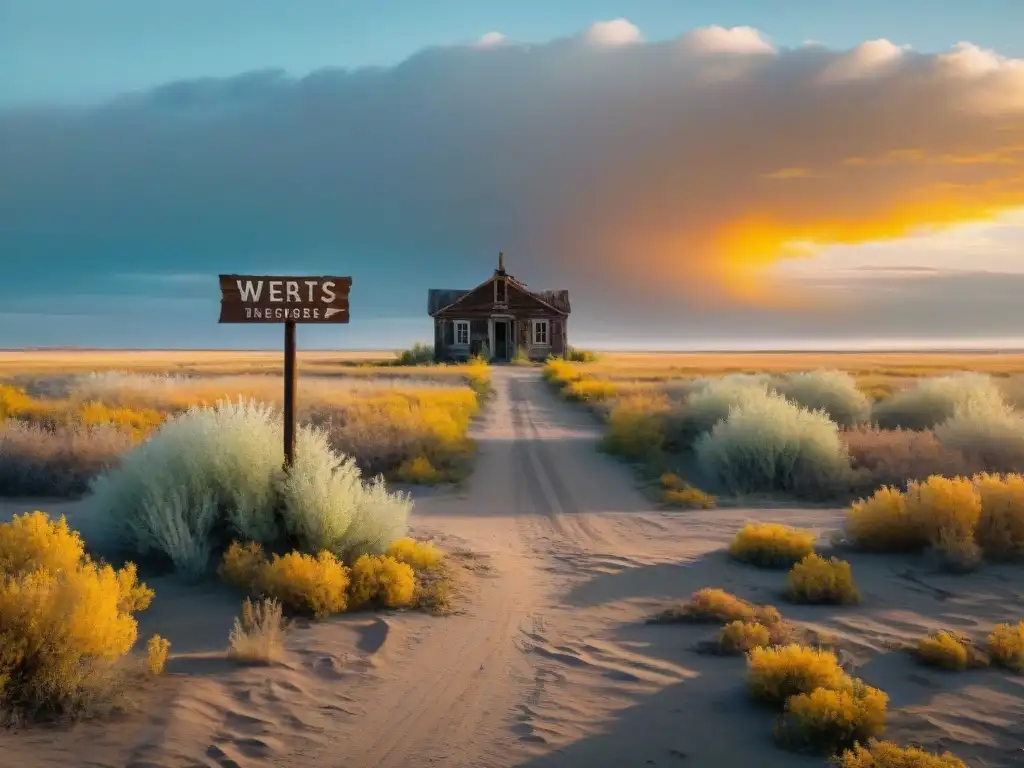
738, 40
671, 174
615, 32
489, 39
873, 57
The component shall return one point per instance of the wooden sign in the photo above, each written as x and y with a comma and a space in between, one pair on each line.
278, 299
288, 300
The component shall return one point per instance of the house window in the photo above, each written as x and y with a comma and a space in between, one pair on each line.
540, 333
462, 333
500, 292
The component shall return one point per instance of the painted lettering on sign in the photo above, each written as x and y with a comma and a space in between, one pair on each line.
275, 299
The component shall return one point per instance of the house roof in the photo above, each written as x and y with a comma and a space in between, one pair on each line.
439, 298
558, 299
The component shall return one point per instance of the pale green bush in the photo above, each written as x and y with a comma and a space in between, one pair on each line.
215, 474
770, 444
834, 392
708, 404
988, 432
931, 401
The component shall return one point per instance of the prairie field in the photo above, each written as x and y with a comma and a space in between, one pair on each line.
66, 415
817, 426
827, 571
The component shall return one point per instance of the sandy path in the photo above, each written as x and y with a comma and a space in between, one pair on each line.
472, 690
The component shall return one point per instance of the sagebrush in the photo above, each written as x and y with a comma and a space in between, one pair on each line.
214, 474
769, 444
833, 392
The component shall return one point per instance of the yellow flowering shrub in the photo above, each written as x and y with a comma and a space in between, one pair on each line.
310, 585
418, 470
1000, 531
771, 545
32, 542
959, 518
689, 498
827, 720
670, 481
156, 654
776, 673
713, 605
1006, 646
242, 564
140, 421
63, 621
561, 372
947, 511
944, 650
816, 580
420, 555
739, 637
885, 754
590, 390
381, 580
882, 523
635, 428
13, 401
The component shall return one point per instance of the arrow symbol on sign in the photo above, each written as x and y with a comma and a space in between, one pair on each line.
331, 312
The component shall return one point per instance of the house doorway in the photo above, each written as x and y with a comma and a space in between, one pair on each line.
502, 341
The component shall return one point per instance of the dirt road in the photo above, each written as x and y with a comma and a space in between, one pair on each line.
538, 665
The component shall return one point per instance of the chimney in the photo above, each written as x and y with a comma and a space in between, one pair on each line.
501, 263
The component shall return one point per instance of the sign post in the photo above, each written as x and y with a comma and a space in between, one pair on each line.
287, 300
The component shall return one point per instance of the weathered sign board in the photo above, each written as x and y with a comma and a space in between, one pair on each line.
272, 299
287, 300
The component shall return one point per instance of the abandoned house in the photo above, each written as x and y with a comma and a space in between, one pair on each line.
501, 319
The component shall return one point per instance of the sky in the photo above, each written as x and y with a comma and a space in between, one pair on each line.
727, 174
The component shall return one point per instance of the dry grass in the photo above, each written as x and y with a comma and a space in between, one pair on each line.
895, 457
903, 365
58, 433
209, 361
258, 634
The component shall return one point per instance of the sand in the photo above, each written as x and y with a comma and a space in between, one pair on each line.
547, 662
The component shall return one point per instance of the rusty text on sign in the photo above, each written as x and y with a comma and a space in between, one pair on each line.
282, 299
